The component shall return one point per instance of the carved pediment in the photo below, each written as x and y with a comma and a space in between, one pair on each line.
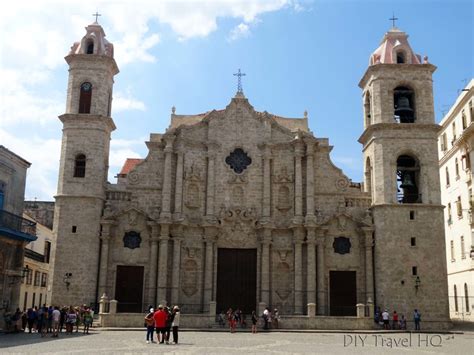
193, 173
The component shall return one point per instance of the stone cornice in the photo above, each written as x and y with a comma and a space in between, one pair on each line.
81, 121
380, 127
376, 68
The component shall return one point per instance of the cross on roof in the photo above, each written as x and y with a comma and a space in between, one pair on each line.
96, 16
239, 76
393, 19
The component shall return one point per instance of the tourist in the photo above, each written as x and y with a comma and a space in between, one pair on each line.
175, 324
254, 322
87, 320
377, 315
45, 321
78, 318
417, 319
221, 319
31, 317
238, 316
24, 320
403, 323
266, 317
230, 319
150, 326
169, 321
50, 319
55, 318
16, 320
160, 323
70, 320
395, 320
275, 319
63, 318
386, 319
39, 320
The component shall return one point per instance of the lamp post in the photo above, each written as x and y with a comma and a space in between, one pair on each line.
66, 278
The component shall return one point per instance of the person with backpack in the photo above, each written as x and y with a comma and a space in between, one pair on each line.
150, 326
417, 319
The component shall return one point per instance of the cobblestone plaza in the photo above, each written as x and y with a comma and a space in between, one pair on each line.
193, 342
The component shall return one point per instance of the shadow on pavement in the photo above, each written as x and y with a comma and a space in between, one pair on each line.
18, 339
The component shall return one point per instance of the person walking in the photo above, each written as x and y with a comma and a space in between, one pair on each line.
175, 324
276, 319
266, 318
150, 326
417, 319
87, 319
169, 321
230, 319
386, 319
403, 323
254, 322
31, 317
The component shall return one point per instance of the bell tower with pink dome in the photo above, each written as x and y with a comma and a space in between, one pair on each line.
402, 175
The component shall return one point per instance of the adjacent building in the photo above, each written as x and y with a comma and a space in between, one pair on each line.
15, 231
36, 286
236, 207
456, 152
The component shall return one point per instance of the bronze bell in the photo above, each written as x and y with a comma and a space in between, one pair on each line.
407, 183
403, 104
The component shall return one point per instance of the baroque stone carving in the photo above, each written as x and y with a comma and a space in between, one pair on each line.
132, 240
342, 245
342, 184
238, 160
284, 176
133, 178
283, 280
193, 173
192, 195
189, 277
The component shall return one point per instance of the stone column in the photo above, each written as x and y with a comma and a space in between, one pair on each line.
178, 196
166, 193
298, 241
265, 274
321, 290
309, 181
311, 265
298, 183
369, 275
266, 183
163, 264
210, 185
209, 242
176, 271
104, 258
153, 263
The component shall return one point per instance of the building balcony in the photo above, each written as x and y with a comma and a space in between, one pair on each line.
16, 227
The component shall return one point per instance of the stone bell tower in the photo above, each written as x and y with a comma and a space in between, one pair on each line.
402, 175
87, 126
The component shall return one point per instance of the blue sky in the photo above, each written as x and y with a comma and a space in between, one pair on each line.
298, 55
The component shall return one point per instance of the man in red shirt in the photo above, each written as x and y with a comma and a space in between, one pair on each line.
160, 323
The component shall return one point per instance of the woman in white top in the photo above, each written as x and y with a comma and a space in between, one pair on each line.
175, 324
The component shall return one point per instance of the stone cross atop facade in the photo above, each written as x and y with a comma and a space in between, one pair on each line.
96, 16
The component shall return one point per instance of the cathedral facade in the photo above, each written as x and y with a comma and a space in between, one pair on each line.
240, 208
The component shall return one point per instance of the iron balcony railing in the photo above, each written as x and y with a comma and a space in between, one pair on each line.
17, 223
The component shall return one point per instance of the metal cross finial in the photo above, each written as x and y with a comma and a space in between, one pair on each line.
96, 16
239, 76
393, 19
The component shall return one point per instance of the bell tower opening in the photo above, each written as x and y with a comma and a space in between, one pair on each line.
367, 109
401, 57
404, 110
408, 171
90, 47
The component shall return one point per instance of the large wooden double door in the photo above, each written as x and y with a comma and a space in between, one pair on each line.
129, 289
237, 279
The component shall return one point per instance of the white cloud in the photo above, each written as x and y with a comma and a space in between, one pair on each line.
239, 31
124, 102
44, 155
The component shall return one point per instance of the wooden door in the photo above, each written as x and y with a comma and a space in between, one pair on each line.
129, 289
237, 279
342, 293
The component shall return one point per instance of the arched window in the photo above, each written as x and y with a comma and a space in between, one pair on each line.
368, 109
408, 176
466, 297
401, 57
80, 166
90, 47
456, 168
404, 104
2, 194
471, 112
456, 307
368, 176
447, 177
464, 120
85, 98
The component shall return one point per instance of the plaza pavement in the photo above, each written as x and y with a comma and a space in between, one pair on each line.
195, 342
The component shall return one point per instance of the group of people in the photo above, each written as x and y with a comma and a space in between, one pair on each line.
383, 318
236, 318
164, 320
52, 320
